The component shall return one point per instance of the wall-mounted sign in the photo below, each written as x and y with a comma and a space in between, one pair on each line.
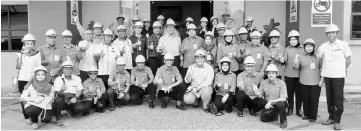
321, 15
293, 11
73, 11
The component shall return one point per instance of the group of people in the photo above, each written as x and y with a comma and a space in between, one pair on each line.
217, 66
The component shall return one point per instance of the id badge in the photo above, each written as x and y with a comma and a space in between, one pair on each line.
147, 35
312, 66
209, 57
195, 46
173, 79
255, 87
226, 86
258, 55
230, 55
56, 57
139, 48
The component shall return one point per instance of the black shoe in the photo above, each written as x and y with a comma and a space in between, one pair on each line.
240, 114
112, 108
312, 120
328, 122
196, 104
101, 110
207, 110
283, 125
180, 107
85, 113
305, 118
163, 106
151, 105
337, 126
298, 113
252, 113
289, 112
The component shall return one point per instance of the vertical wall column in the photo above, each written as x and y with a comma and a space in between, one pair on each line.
72, 28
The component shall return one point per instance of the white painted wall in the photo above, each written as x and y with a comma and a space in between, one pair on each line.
104, 12
8, 71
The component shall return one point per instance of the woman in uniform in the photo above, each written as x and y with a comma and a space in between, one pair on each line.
230, 50
210, 48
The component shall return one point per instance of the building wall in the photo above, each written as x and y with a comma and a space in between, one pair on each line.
104, 12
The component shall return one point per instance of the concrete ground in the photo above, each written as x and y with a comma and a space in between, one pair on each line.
143, 118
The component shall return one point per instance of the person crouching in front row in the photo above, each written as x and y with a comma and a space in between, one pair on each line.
94, 92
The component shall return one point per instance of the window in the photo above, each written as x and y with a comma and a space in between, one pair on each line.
14, 25
356, 20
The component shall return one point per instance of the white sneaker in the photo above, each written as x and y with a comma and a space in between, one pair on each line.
28, 121
35, 126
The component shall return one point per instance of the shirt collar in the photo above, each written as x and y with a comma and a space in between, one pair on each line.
337, 41
71, 46
138, 69
168, 68
275, 45
253, 74
53, 48
71, 77
121, 72
274, 82
258, 45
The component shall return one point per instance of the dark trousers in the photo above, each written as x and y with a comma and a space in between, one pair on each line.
83, 76
34, 112
334, 95
177, 93
293, 87
256, 104
176, 61
59, 104
112, 98
105, 80
183, 72
137, 93
220, 105
311, 96
21, 85
280, 108
89, 104
154, 63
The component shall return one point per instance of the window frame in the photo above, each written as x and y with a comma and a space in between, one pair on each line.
10, 29
351, 22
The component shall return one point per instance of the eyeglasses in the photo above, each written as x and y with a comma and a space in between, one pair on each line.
93, 73
272, 37
169, 60
243, 34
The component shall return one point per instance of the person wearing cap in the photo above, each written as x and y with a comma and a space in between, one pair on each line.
276, 52
309, 77
274, 91
51, 55
142, 82
119, 82
38, 96
160, 19
221, 28
203, 28
147, 29
68, 89
335, 55
224, 85
231, 50
243, 43
170, 42
154, 60
210, 48
27, 61
108, 57
70, 51
249, 24
138, 41
258, 51
169, 83
93, 93
189, 46
248, 83
292, 74
90, 51
124, 45
214, 23
120, 21
200, 76
97, 28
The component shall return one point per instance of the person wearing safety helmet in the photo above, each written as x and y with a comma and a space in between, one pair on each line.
97, 28
68, 89
70, 51
224, 85
147, 29
108, 57
210, 48
203, 28
200, 76
132, 25
225, 15
142, 82
291, 74
138, 41
91, 54
120, 21
221, 28
154, 60
249, 24
214, 23
51, 55
309, 77
38, 97
94, 93
230, 50
170, 42
160, 19
243, 43
274, 92
189, 46
124, 45
169, 83
248, 83
119, 82
335, 55
276, 52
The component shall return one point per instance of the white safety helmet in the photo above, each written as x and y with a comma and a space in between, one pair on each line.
331, 28
272, 67
121, 27
221, 25
274, 33
242, 30
67, 63
40, 68
28, 37
138, 24
228, 33
66, 33
121, 61
189, 19
255, 34
249, 60
169, 56
229, 18
156, 24
249, 18
108, 32
191, 26
93, 69
204, 19
136, 17
309, 41
209, 33
97, 25
160, 17
199, 53
213, 17
140, 58
170, 22
50, 32
120, 16
293, 33
225, 59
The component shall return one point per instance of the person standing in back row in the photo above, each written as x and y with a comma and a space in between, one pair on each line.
154, 60
138, 41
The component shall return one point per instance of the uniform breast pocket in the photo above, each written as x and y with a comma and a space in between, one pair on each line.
123, 80
338, 54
